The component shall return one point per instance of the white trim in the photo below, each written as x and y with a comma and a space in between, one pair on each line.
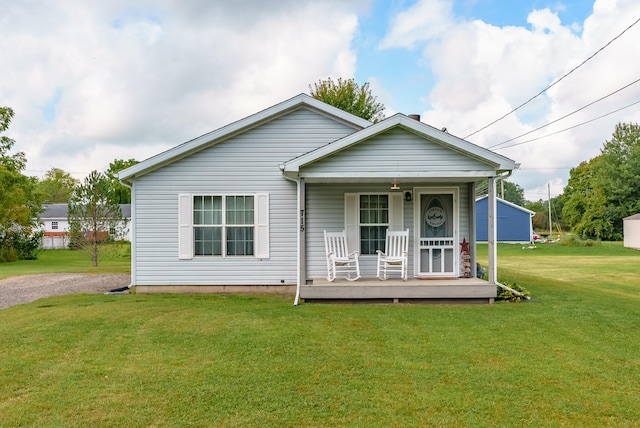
185, 226
516, 206
261, 218
352, 219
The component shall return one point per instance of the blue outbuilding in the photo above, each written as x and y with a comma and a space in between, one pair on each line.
513, 223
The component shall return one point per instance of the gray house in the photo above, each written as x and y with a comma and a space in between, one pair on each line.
244, 208
55, 225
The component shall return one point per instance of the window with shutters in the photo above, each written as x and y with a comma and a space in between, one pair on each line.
368, 216
223, 225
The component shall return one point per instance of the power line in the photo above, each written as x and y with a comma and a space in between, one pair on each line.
569, 128
567, 115
555, 82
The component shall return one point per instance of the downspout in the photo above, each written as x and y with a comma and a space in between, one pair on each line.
297, 181
498, 179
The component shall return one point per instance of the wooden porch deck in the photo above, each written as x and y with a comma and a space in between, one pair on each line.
394, 290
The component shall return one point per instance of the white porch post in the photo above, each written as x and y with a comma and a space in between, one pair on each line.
492, 229
302, 257
471, 188
302, 239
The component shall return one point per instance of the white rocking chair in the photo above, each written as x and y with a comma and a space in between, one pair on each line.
395, 257
339, 260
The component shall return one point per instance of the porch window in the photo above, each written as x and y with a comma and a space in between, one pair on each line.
373, 223
223, 225
367, 216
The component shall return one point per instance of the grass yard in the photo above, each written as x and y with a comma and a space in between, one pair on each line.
571, 357
112, 258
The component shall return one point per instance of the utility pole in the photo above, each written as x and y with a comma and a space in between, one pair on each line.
550, 224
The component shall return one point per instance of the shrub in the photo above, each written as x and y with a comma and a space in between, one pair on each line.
577, 242
18, 245
510, 296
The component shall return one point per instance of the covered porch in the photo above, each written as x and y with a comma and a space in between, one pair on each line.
396, 175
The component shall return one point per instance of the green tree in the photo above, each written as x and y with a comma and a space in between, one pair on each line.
604, 190
119, 194
513, 192
20, 203
57, 186
578, 189
347, 95
619, 175
93, 216
540, 220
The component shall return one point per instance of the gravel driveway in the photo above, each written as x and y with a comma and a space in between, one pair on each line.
28, 288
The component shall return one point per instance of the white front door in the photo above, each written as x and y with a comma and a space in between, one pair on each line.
437, 229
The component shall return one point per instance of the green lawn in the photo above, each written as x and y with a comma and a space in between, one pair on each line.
113, 258
570, 357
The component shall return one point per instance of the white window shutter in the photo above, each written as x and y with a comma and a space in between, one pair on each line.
396, 211
262, 225
351, 213
185, 226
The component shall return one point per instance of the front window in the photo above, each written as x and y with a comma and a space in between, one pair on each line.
223, 225
54, 225
374, 222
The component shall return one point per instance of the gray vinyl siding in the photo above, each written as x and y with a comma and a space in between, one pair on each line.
397, 149
325, 211
245, 164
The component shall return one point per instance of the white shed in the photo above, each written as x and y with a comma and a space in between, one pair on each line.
631, 230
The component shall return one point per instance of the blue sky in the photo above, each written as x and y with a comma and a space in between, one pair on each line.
401, 71
94, 81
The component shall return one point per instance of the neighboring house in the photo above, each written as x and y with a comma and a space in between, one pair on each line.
631, 231
55, 224
514, 221
244, 208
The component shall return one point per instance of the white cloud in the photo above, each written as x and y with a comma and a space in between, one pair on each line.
91, 82
482, 72
425, 20
95, 81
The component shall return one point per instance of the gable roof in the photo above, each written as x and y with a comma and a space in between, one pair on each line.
511, 204
61, 211
242, 125
499, 162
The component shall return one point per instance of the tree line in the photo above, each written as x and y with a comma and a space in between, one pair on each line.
599, 194
93, 204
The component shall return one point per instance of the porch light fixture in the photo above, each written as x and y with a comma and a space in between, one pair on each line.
394, 185
408, 196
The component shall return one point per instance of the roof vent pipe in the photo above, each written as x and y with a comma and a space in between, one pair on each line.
415, 117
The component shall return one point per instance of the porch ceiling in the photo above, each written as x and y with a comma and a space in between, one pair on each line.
400, 177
